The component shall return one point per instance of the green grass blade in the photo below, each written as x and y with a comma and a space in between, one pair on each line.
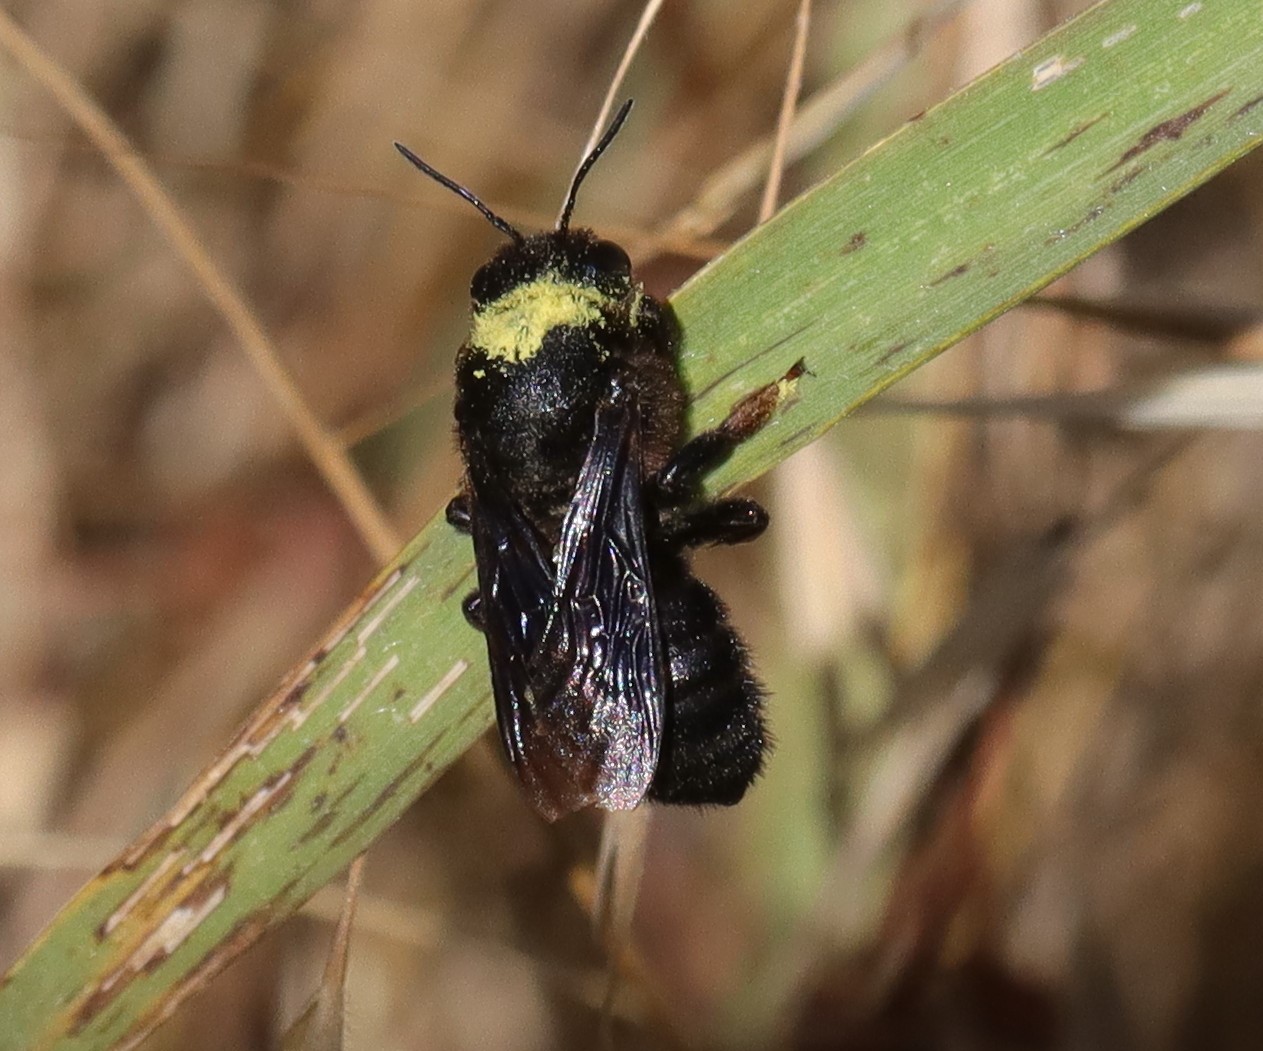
971, 208
935, 231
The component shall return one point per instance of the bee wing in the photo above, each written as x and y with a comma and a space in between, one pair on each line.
515, 584
600, 672
577, 661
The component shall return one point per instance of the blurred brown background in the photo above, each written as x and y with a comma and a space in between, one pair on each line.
1015, 663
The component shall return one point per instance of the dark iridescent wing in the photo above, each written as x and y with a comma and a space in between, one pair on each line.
577, 661
515, 585
600, 670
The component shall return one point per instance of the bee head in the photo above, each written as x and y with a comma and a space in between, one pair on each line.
565, 257
576, 257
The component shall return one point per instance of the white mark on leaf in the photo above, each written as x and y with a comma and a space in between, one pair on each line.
1052, 70
441, 687
368, 629
1126, 33
239, 820
141, 892
373, 683
182, 921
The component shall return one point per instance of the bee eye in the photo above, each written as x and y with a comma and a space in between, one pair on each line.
608, 258
490, 282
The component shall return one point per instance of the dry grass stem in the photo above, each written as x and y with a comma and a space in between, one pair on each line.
818, 118
647, 16
789, 105
325, 451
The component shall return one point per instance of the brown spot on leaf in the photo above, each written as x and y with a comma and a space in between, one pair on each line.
457, 585
857, 241
98, 1000
335, 807
135, 855
422, 760
296, 694
792, 442
267, 723
341, 735
1243, 110
243, 934
299, 764
153, 951
890, 352
321, 826
1075, 132
1126, 179
1094, 213
1169, 130
418, 762
957, 271
287, 889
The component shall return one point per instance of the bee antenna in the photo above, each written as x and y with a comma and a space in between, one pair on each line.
500, 224
563, 224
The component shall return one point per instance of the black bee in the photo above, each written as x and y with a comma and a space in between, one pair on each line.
616, 674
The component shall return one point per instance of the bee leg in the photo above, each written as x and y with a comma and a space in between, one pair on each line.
723, 522
458, 512
677, 483
472, 608
458, 518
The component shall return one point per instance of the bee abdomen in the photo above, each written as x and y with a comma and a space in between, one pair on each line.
714, 741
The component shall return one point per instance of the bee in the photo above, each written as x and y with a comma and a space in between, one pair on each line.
617, 676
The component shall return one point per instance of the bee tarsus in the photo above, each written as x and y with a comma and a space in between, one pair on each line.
458, 513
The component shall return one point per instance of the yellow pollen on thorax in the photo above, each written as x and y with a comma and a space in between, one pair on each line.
512, 328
